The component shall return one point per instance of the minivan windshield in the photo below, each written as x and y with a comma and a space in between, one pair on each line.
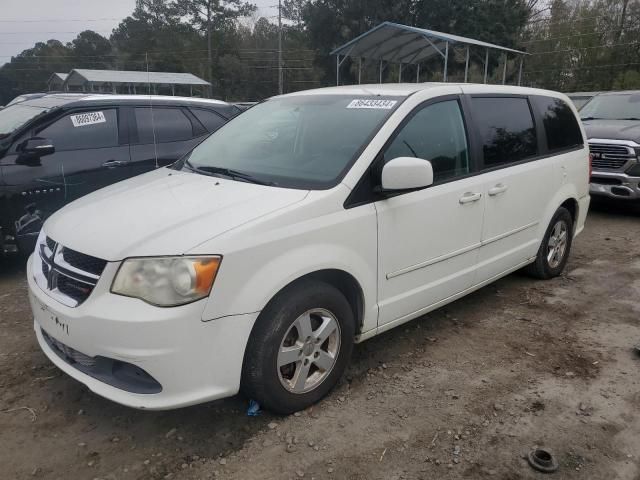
619, 106
305, 141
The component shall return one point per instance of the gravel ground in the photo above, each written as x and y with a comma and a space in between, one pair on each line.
464, 392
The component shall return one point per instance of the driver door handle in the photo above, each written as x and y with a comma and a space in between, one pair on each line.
470, 197
114, 163
497, 190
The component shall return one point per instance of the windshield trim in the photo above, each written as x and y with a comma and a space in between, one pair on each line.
305, 184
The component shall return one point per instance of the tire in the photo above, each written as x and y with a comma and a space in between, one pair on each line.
289, 328
546, 265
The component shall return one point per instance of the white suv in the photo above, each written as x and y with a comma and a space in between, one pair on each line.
312, 221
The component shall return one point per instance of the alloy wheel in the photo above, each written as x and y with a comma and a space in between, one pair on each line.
557, 244
308, 351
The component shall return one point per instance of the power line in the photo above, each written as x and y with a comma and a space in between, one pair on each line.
577, 20
591, 67
528, 42
13, 20
585, 48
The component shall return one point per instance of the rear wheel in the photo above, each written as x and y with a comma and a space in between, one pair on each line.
299, 347
555, 247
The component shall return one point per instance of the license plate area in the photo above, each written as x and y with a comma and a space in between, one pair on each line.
51, 321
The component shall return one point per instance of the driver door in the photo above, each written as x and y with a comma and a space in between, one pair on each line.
428, 240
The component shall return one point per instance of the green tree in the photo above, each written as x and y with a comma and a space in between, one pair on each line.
211, 16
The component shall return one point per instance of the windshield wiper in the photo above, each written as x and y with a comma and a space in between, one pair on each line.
584, 119
233, 174
630, 118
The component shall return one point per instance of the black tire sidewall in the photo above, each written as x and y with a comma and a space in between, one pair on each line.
260, 378
549, 272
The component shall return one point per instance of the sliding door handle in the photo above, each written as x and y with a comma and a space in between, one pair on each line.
470, 197
497, 190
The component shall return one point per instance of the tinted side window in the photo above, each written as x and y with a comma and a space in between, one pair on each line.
560, 124
506, 129
83, 130
436, 133
170, 124
211, 120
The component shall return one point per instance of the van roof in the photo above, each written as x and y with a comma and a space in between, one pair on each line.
407, 89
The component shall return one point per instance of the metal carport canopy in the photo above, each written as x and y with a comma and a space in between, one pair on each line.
402, 44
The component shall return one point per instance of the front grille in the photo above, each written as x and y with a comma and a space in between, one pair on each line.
67, 353
609, 156
50, 243
84, 262
66, 274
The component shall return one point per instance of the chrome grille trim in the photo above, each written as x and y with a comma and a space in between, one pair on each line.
611, 155
62, 281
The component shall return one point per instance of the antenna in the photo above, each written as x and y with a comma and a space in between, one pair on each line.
153, 125
280, 77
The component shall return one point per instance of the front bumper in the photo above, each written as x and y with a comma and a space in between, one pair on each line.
614, 185
193, 361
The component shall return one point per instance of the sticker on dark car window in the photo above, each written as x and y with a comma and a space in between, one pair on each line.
374, 104
89, 118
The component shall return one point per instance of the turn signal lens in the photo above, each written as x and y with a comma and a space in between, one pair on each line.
206, 271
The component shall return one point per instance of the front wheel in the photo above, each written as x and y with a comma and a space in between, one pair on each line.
555, 247
299, 347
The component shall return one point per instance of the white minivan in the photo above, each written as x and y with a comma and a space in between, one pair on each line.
311, 222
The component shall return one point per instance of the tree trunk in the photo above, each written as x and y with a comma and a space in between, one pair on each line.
617, 55
209, 51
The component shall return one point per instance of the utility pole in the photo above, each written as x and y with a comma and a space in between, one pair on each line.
280, 76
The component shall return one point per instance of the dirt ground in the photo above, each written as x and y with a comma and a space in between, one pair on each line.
464, 392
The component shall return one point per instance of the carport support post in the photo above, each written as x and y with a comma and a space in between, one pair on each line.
338, 69
486, 65
466, 66
400, 74
359, 70
418, 73
446, 60
520, 70
380, 71
504, 70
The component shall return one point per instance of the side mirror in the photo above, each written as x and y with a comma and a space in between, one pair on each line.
37, 147
406, 173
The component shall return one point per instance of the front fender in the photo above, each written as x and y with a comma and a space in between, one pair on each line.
253, 272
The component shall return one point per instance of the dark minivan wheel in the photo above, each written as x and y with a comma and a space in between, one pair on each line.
299, 347
554, 250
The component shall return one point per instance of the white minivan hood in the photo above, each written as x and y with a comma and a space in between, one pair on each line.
164, 212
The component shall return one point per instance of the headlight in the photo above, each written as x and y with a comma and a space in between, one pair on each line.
166, 281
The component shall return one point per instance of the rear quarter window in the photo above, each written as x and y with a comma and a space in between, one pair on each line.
560, 124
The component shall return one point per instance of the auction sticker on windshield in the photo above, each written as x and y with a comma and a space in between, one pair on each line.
375, 104
89, 118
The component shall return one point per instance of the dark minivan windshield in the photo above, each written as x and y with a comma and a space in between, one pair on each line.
305, 141
619, 106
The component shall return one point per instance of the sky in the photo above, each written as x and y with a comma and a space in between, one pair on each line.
25, 22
